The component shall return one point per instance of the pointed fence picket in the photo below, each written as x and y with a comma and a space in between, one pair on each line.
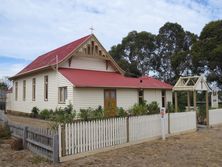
92, 135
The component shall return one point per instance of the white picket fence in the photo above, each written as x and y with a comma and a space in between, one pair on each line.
87, 136
183, 121
215, 116
80, 137
145, 127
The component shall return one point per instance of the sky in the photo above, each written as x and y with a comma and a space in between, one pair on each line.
29, 28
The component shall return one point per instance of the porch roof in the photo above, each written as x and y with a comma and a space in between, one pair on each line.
89, 78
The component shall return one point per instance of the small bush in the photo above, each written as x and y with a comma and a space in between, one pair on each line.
153, 108
45, 114
98, 113
170, 107
121, 112
68, 109
5, 132
35, 112
62, 116
139, 109
85, 114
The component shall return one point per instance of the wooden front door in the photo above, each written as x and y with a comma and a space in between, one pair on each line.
110, 102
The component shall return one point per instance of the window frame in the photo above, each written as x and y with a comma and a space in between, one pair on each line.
62, 94
16, 91
24, 90
46, 88
163, 98
140, 97
33, 89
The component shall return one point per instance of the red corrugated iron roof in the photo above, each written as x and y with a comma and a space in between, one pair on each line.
89, 78
50, 57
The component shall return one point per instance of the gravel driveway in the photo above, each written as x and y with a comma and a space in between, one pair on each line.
202, 148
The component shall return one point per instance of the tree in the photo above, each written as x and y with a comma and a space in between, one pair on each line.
3, 86
136, 53
207, 52
173, 50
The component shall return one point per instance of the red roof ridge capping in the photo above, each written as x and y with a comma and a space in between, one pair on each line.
49, 58
91, 78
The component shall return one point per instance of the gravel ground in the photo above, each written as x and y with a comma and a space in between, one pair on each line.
202, 148
29, 121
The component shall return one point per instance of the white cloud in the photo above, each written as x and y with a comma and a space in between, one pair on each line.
31, 28
7, 70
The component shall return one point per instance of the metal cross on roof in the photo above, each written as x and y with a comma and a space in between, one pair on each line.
92, 29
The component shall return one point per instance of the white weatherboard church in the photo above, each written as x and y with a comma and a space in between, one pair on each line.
84, 74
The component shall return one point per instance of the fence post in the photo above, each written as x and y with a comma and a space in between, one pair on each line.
63, 140
127, 129
25, 130
56, 148
168, 122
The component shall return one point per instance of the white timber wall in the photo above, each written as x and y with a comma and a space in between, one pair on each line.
215, 116
62, 81
9, 99
169, 97
88, 63
146, 127
151, 95
126, 98
54, 81
84, 98
182, 121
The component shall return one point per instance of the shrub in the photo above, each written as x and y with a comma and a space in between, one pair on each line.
170, 107
62, 116
68, 109
85, 114
139, 109
121, 112
5, 132
45, 114
35, 112
98, 113
153, 108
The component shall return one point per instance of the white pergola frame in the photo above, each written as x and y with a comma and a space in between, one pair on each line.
192, 84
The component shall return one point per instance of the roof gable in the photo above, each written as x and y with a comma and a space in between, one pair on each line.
49, 59
61, 54
191, 83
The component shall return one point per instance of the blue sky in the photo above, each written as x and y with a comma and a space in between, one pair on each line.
29, 28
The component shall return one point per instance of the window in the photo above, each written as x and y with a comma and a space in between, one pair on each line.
24, 90
46, 85
33, 88
16, 91
62, 94
163, 98
140, 93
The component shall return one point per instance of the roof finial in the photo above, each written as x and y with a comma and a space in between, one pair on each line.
92, 29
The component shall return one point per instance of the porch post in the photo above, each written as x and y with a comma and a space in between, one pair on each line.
188, 100
176, 101
195, 105
195, 100
207, 109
